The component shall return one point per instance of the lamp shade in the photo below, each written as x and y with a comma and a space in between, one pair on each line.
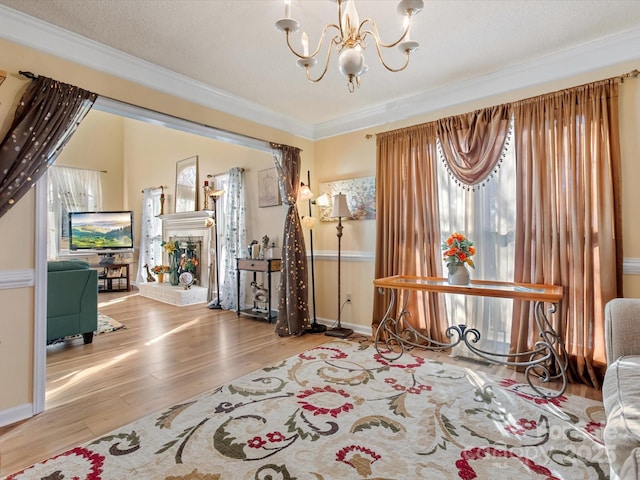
340, 207
308, 222
305, 192
323, 200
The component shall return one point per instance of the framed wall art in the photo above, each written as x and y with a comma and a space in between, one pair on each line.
268, 188
361, 197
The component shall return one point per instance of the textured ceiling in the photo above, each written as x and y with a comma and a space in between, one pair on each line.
233, 46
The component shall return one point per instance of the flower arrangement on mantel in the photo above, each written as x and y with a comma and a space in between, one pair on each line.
458, 250
171, 247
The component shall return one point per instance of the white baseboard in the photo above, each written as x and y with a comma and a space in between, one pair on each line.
357, 328
16, 414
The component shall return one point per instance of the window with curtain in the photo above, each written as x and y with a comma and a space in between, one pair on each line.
486, 215
69, 190
150, 233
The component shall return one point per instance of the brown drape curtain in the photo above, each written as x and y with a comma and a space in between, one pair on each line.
472, 143
47, 116
569, 217
293, 310
568, 210
408, 231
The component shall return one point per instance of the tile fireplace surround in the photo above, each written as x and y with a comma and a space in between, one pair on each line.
185, 225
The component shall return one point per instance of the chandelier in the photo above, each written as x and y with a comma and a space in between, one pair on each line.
350, 40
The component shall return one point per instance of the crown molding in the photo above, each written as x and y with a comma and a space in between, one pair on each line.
42, 36
607, 52
29, 31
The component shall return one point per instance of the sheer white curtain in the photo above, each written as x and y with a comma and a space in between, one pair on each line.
487, 217
150, 233
70, 190
231, 234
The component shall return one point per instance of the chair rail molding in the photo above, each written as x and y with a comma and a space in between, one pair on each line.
17, 278
631, 266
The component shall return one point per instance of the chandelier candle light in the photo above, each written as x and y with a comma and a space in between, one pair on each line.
350, 40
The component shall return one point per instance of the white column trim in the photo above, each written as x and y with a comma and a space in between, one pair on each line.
40, 297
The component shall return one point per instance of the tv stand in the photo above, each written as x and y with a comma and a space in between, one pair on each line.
112, 276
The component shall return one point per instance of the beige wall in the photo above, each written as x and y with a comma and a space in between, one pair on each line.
150, 162
18, 225
98, 145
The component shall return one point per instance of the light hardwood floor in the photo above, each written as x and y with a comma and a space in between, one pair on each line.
165, 355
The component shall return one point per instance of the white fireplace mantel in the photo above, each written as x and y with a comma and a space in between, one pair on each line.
192, 224
185, 220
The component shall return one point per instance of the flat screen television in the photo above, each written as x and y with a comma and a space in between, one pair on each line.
101, 230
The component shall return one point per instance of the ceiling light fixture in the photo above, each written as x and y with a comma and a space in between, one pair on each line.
350, 41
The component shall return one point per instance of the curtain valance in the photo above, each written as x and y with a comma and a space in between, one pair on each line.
472, 143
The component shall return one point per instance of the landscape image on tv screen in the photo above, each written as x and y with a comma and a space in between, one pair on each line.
100, 230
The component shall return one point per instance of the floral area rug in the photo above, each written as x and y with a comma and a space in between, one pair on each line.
340, 411
107, 324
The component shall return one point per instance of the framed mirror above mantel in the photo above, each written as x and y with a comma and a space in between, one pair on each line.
187, 185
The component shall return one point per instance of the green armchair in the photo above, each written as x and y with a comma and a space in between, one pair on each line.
72, 300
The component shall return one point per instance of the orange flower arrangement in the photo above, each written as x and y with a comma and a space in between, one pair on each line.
458, 251
160, 269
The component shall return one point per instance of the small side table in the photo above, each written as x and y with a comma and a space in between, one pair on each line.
267, 266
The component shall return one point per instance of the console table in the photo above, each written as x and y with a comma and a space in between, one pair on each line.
267, 266
547, 361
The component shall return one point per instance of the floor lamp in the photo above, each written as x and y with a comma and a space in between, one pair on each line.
340, 209
309, 222
214, 304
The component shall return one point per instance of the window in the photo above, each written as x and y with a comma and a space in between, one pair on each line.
485, 215
69, 190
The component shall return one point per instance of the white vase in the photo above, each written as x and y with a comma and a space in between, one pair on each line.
460, 276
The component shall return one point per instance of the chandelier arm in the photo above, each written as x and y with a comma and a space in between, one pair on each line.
376, 35
391, 69
324, 32
326, 64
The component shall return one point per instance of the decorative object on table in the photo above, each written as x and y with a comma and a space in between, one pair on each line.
173, 250
264, 246
160, 270
310, 222
161, 199
340, 209
186, 185
361, 193
355, 416
268, 188
458, 251
250, 248
351, 38
150, 278
214, 304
